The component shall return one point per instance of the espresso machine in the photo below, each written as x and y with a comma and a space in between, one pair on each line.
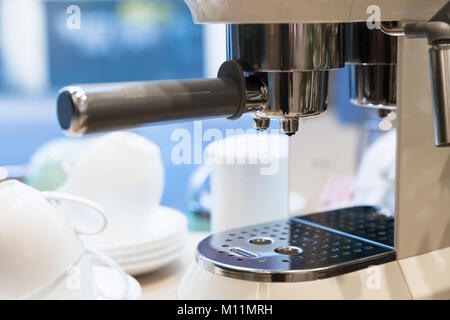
280, 56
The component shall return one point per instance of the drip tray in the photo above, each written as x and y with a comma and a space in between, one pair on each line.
305, 248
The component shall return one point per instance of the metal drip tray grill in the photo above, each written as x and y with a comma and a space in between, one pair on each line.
365, 222
295, 249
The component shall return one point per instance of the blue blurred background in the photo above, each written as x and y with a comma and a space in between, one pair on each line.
117, 41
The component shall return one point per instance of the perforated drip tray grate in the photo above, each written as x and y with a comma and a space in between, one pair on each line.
364, 221
302, 248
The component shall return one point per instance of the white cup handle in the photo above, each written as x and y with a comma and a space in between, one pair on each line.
103, 259
49, 196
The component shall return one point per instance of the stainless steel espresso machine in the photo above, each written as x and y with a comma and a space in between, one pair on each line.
280, 56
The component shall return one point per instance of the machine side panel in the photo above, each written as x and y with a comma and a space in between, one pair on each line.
423, 171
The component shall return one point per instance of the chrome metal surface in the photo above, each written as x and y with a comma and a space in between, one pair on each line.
261, 123
289, 125
390, 30
295, 94
299, 249
369, 46
372, 56
286, 47
257, 95
373, 86
440, 78
291, 60
72, 110
292, 95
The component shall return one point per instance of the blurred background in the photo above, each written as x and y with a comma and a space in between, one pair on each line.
147, 40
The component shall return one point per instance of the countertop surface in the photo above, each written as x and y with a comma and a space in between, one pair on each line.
162, 284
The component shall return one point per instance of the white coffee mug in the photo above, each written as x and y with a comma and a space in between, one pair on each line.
249, 180
37, 242
124, 173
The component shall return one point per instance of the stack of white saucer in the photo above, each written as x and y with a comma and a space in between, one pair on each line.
160, 244
124, 173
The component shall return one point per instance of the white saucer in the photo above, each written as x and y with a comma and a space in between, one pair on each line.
148, 255
164, 225
144, 250
151, 265
111, 283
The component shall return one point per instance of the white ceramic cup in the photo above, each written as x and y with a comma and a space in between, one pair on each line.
124, 173
79, 282
37, 243
249, 180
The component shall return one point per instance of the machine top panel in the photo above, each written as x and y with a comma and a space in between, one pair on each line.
307, 11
